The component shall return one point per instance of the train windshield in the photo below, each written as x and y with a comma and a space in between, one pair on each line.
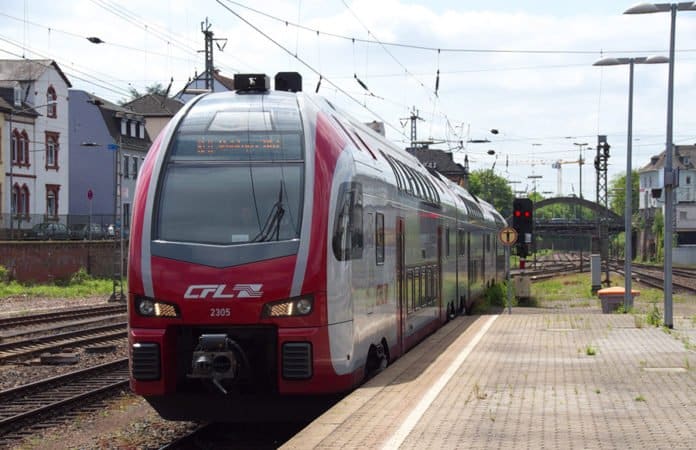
234, 172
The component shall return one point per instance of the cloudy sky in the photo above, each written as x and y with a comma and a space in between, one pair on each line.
521, 67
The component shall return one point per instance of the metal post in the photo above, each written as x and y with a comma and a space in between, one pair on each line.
12, 182
668, 176
628, 297
507, 274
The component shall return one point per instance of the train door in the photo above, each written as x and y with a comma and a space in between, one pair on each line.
400, 284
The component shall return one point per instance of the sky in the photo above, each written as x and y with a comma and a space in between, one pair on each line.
523, 68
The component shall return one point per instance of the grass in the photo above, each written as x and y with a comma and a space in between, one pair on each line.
590, 350
80, 285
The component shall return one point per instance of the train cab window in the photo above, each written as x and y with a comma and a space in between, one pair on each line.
379, 238
234, 173
347, 239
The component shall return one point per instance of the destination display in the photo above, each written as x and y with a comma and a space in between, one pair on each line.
238, 146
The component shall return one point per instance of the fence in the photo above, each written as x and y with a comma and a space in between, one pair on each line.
14, 227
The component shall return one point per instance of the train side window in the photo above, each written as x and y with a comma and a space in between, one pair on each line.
347, 239
379, 238
462, 243
447, 241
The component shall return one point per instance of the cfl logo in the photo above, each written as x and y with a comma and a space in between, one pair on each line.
219, 291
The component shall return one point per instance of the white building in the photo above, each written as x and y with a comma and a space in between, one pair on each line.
35, 143
652, 198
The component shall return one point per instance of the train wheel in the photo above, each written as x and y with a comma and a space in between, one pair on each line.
377, 360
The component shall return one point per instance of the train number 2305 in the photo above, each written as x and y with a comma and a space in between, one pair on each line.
219, 312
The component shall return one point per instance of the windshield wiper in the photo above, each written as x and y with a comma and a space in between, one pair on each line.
272, 224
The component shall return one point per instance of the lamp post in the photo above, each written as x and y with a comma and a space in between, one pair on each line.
14, 146
647, 8
628, 252
117, 285
581, 161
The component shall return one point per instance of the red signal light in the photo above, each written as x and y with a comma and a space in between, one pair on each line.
517, 213
527, 214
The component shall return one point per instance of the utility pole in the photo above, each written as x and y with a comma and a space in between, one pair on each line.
601, 164
209, 67
413, 118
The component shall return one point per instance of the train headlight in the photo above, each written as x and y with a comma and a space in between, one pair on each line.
146, 307
149, 307
296, 306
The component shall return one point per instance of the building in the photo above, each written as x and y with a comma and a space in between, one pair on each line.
197, 85
157, 110
108, 147
442, 162
651, 200
34, 138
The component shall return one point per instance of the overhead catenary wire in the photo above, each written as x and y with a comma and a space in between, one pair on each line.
307, 65
448, 49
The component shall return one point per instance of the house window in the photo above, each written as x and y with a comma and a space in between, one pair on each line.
24, 148
126, 216
141, 131
135, 167
51, 106
20, 200
52, 200
20, 148
132, 129
682, 215
52, 150
126, 162
124, 127
15, 146
688, 179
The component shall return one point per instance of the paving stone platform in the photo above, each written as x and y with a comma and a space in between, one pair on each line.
538, 378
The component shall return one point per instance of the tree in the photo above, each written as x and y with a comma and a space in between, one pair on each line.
618, 188
490, 187
154, 89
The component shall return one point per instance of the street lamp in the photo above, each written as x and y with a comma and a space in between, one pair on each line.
13, 205
117, 285
647, 8
628, 252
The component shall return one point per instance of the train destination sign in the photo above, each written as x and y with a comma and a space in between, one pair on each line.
507, 236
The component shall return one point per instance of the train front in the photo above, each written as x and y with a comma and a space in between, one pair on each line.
226, 304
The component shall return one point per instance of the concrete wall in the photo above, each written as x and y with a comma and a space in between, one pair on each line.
43, 262
684, 255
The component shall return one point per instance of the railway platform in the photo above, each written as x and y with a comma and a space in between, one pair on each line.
538, 378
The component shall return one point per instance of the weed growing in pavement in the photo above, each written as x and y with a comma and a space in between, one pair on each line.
687, 364
479, 393
597, 391
640, 398
654, 317
590, 350
638, 320
642, 363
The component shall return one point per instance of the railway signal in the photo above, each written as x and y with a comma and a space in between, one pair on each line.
523, 217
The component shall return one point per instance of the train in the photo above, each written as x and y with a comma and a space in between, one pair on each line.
281, 252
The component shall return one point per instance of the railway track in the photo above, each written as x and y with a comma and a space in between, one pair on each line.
46, 402
60, 316
683, 279
13, 351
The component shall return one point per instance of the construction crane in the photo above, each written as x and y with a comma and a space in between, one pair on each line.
559, 180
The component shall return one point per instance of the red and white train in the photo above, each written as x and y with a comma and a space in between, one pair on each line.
281, 251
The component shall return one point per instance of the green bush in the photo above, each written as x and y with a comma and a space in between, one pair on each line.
80, 276
4, 274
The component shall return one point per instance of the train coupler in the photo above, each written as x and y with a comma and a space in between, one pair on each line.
216, 359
